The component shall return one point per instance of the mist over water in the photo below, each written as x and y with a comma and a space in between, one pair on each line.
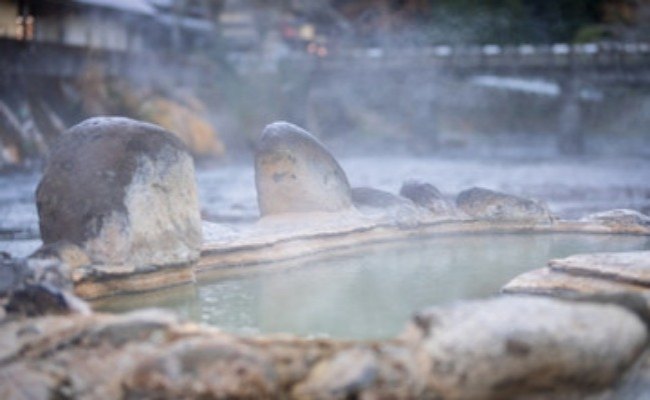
521, 78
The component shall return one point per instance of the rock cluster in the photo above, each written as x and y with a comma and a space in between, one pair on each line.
295, 173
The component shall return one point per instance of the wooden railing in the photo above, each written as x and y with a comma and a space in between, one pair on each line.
49, 59
590, 57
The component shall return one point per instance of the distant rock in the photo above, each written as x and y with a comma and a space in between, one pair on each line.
387, 207
189, 124
295, 173
124, 191
45, 119
495, 206
506, 347
375, 198
428, 196
621, 219
14, 143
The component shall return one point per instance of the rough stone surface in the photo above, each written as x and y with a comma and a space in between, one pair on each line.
295, 173
515, 345
477, 350
218, 367
630, 267
348, 372
553, 282
490, 205
149, 354
428, 196
38, 286
621, 219
123, 191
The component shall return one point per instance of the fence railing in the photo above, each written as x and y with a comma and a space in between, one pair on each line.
52, 59
589, 56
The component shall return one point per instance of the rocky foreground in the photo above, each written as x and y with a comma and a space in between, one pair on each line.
119, 213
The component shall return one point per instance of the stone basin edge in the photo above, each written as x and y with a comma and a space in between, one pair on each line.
254, 249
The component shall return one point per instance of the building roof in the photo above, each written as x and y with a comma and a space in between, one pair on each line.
131, 6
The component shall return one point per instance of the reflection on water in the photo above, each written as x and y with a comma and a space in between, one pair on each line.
370, 295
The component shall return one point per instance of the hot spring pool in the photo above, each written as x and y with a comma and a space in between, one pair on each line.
369, 295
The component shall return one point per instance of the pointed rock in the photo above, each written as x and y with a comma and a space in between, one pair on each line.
295, 173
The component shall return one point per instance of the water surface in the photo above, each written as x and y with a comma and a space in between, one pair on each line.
373, 294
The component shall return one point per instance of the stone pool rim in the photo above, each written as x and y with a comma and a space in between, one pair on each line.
248, 249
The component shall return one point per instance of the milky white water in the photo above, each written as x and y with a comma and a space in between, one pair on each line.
371, 294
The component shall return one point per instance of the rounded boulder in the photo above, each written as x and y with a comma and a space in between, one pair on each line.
509, 347
124, 191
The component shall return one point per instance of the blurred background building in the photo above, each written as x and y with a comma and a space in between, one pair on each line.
417, 75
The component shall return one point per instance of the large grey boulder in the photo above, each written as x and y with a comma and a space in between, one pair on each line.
487, 204
506, 347
124, 191
295, 173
